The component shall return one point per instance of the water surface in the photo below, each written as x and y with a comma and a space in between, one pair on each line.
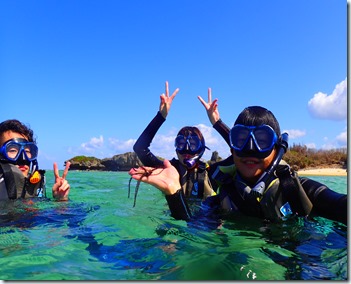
99, 235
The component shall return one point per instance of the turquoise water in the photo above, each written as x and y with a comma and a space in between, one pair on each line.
98, 235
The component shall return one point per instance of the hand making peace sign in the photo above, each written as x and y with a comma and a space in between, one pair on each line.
60, 189
211, 107
166, 101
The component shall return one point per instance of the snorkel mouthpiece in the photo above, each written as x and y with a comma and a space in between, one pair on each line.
190, 162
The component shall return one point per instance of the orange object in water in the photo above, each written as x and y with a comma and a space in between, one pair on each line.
35, 178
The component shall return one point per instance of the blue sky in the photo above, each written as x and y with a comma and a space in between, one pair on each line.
87, 75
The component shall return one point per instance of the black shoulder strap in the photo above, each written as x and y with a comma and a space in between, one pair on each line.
9, 180
201, 173
200, 176
292, 191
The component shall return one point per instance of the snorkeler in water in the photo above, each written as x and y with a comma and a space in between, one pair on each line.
189, 146
259, 182
20, 176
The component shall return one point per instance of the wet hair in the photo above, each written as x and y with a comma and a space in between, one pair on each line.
256, 116
192, 130
15, 125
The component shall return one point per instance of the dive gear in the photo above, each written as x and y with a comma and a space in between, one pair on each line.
19, 186
190, 162
191, 144
19, 149
263, 136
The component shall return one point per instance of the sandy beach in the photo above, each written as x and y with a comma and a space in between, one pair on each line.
323, 172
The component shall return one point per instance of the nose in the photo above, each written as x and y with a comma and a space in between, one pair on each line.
21, 160
250, 145
186, 146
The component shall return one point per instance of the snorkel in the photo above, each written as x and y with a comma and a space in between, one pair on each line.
190, 162
261, 185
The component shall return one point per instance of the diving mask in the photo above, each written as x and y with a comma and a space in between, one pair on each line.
191, 144
260, 139
19, 148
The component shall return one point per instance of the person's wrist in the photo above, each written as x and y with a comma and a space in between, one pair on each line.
172, 188
216, 122
63, 198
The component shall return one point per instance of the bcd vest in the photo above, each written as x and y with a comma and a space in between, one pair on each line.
18, 186
195, 183
284, 195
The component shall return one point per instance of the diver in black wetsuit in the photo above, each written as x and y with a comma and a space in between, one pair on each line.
190, 146
259, 183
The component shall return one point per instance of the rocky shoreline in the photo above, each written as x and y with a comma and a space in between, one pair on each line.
126, 161
122, 162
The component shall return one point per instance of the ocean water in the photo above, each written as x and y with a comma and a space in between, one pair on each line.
99, 235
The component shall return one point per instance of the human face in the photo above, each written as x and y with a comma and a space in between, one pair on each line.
251, 168
7, 135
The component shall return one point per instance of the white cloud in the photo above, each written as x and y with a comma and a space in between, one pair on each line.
207, 132
333, 107
213, 141
342, 139
311, 146
295, 133
93, 144
328, 146
120, 146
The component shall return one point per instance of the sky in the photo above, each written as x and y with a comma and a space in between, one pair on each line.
87, 76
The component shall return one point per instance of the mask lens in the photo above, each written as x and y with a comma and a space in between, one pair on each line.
180, 142
12, 150
194, 143
239, 136
264, 137
31, 151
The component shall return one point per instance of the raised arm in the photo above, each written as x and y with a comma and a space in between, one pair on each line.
166, 100
211, 108
141, 146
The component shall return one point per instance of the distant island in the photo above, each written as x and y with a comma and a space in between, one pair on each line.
299, 157
122, 162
